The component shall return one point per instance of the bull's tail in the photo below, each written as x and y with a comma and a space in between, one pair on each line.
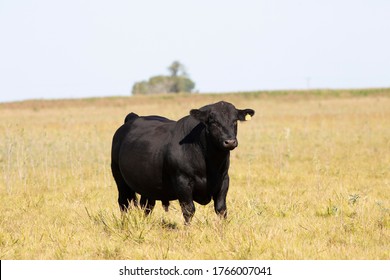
131, 117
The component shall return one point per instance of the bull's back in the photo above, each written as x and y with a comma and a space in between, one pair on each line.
141, 155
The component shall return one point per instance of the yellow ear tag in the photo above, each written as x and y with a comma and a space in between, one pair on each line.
248, 117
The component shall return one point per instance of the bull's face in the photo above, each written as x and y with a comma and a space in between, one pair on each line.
220, 120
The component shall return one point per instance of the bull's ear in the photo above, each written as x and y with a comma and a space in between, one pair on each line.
200, 115
245, 115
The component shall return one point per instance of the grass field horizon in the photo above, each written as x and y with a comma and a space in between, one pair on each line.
310, 179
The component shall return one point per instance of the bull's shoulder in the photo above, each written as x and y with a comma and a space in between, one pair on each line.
186, 148
152, 131
189, 131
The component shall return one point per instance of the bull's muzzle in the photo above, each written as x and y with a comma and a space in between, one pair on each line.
230, 144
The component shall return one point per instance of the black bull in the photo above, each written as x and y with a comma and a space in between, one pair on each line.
165, 160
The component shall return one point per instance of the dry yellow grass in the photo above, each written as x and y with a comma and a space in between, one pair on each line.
309, 180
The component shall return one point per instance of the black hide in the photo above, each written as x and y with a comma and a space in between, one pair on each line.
165, 160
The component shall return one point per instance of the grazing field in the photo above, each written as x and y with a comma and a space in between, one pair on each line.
310, 179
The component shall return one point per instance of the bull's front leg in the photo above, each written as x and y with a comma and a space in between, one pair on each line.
188, 209
184, 195
220, 198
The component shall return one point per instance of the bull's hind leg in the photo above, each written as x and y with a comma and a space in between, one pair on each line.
147, 204
125, 194
165, 204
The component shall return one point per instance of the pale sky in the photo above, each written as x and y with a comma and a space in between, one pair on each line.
76, 48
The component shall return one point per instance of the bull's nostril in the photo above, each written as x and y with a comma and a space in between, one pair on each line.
231, 143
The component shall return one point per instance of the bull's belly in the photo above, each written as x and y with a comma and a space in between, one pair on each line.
202, 199
144, 175
148, 184
143, 172
201, 193
150, 188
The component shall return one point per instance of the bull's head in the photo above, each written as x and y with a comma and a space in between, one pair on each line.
220, 120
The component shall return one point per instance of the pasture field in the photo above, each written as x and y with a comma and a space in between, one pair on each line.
310, 179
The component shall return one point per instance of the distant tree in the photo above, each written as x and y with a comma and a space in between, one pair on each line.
182, 84
175, 67
140, 88
177, 82
160, 84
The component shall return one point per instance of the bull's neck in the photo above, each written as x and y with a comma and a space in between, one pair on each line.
196, 133
215, 156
